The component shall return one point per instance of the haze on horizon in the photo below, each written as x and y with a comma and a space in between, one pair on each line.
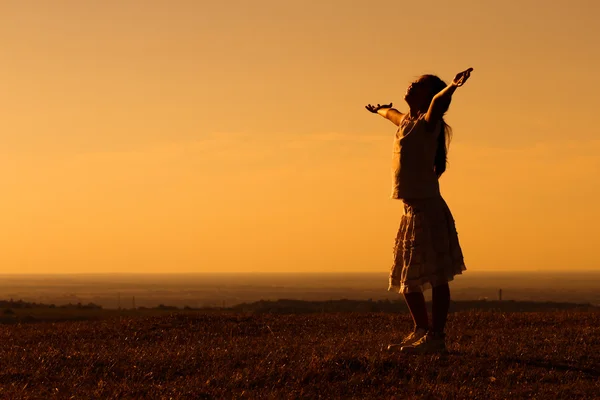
201, 136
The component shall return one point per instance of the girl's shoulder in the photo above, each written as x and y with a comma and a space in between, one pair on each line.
408, 123
419, 128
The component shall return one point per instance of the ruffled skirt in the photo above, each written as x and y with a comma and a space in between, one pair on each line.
426, 252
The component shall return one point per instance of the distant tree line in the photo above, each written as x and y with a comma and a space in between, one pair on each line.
398, 306
20, 304
289, 306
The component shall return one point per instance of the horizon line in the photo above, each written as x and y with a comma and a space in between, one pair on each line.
551, 272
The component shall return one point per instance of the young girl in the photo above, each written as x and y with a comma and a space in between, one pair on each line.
427, 253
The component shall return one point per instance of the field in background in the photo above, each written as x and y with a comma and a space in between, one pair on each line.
18, 312
493, 355
225, 290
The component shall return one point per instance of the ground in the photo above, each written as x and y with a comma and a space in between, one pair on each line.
493, 355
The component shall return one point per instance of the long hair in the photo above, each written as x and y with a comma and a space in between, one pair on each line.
443, 140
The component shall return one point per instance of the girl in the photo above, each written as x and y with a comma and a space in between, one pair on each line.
427, 253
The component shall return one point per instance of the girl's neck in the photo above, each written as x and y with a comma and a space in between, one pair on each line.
415, 112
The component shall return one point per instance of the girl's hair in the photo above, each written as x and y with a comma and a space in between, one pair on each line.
441, 153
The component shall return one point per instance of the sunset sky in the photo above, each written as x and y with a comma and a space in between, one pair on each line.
213, 136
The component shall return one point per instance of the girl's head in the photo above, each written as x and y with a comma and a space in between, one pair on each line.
418, 96
420, 92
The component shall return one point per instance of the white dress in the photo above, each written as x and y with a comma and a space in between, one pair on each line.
427, 252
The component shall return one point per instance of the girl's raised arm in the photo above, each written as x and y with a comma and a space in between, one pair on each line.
387, 112
441, 101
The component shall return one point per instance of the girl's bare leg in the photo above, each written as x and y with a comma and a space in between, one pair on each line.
418, 309
440, 306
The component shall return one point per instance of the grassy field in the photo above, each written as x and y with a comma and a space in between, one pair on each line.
493, 355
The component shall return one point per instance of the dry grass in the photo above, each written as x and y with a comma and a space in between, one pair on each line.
550, 355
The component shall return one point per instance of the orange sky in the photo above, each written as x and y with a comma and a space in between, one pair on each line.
207, 136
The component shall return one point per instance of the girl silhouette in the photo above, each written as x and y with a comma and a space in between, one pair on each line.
427, 253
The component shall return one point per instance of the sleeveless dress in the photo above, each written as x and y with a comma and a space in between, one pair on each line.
427, 252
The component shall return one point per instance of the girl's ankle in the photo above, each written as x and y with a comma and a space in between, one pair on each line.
437, 334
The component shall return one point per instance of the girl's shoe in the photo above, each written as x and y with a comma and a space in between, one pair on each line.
411, 338
432, 342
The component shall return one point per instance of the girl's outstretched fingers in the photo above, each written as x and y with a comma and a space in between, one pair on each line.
462, 77
374, 109
371, 108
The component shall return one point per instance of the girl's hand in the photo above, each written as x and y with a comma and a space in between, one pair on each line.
376, 108
461, 78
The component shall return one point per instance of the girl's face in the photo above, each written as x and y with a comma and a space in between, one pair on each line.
418, 93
